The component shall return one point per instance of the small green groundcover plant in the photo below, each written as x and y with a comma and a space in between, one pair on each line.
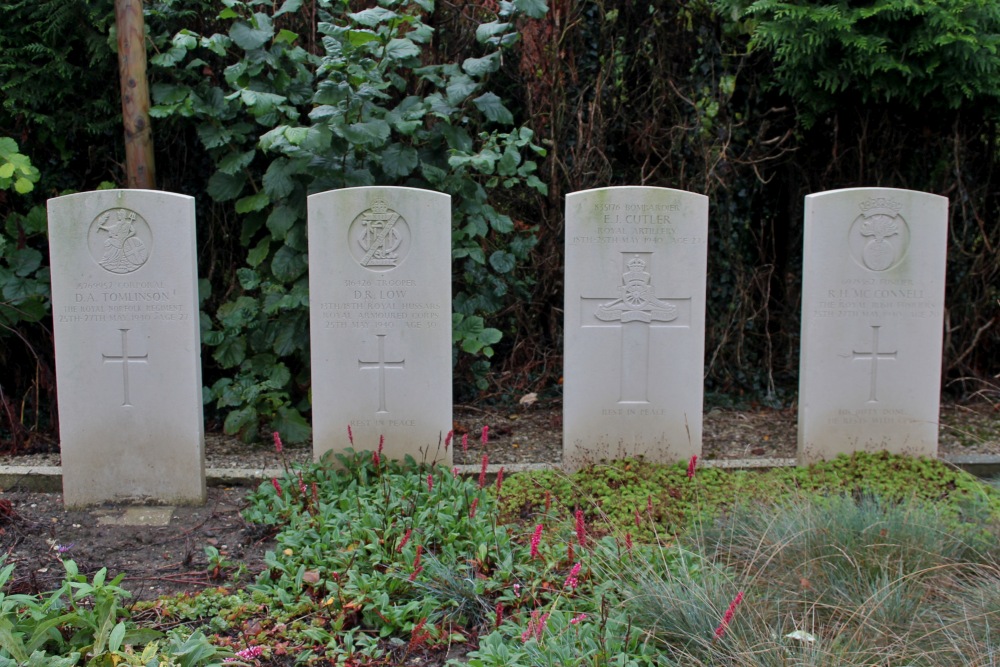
378, 562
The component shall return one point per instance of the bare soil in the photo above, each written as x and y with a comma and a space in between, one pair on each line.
36, 532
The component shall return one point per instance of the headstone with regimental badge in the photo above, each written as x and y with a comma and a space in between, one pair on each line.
128, 351
872, 321
634, 324
380, 319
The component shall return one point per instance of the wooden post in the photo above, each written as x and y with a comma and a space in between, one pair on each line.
140, 165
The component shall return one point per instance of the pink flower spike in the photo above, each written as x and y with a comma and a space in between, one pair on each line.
637, 518
472, 508
447, 439
499, 615
277, 442
572, 581
381, 441
581, 529
430, 483
406, 538
499, 480
277, 485
350, 435
376, 459
482, 471
465, 442
250, 653
486, 435
536, 539
691, 466
577, 619
540, 626
454, 471
628, 541
728, 616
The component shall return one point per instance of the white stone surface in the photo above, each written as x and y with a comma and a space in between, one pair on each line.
128, 351
380, 319
872, 318
634, 324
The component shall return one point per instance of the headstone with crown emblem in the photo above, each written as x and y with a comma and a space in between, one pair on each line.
380, 318
128, 351
634, 324
872, 320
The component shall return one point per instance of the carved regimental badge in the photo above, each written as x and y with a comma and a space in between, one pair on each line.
120, 240
879, 237
379, 238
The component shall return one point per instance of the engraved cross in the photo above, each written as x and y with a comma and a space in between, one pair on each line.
381, 365
636, 310
874, 355
124, 359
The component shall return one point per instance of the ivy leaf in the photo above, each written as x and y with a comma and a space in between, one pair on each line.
288, 264
482, 66
493, 108
248, 37
224, 187
399, 160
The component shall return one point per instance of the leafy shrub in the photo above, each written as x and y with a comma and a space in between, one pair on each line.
373, 107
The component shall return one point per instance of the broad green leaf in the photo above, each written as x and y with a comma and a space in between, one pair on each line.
248, 37
239, 420
360, 37
236, 162
6, 170
277, 181
288, 264
507, 166
289, 334
535, 9
399, 160
7, 147
254, 202
286, 37
237, 314
25, 261
289, 6
291, 425
493, 108
259, 253
23, 186
281, 220
372, 132
481, 66
249, 279
401, 48
502, 261
224, 187
231, 351
486, 31
372, 17
460, 87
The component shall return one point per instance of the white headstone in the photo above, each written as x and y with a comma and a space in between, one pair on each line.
634, 324
380, 319
128, 350
872, 318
